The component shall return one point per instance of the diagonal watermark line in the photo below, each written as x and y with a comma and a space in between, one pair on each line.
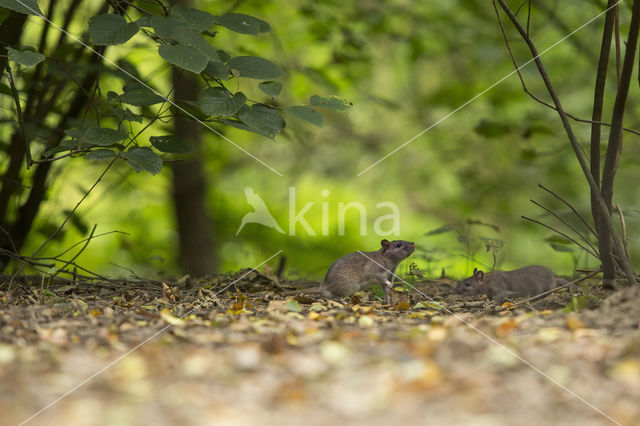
135, 348
487, 89
150, 88
492, 340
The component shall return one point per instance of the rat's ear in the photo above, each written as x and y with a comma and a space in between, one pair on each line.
385, 245
480, 276
475, 271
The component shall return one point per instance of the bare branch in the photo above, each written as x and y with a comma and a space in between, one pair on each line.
571, 207
554, 214
79, 251
574, 142
563, 234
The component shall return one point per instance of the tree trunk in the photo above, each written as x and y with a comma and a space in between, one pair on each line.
604, 238
197, 255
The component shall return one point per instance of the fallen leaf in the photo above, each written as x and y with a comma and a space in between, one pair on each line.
334, 352
506, 327
428, 305
402, 306
173, 320
574, 322
293, 306
365, 321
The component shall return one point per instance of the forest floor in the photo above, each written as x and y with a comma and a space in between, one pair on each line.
232, 349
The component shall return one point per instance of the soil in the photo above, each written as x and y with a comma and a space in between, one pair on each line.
232, 349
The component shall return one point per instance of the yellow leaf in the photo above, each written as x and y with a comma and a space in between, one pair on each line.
402, 306
365, 321
314, 315
574, 322
437, 333
168, 317
95, 313
506, 327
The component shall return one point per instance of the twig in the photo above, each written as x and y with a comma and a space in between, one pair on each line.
82, 241
571, 207
557, 216
623, 228
541, 101
563, 234
553, 290
79, 251
16, 99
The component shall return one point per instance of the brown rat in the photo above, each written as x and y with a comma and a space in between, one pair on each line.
499, 285
359, 270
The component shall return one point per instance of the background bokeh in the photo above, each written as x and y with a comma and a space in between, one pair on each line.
404, 65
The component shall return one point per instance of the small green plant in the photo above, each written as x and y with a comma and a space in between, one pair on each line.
471, 242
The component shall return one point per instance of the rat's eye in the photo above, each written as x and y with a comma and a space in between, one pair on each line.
468, 284
399, 245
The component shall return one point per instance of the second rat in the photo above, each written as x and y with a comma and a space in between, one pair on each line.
499, 285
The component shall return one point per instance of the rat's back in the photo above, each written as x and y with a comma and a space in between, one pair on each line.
346, 275
526, 281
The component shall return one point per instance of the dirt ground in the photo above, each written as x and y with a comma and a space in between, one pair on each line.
233, 350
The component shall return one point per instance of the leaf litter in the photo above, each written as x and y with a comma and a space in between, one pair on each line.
232, 349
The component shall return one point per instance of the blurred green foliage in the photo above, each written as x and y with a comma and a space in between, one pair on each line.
405, 66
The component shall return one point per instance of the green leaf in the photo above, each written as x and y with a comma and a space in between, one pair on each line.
293, 306
262, 120
237, 124
189, 37
27, 58
224, 56
4, 14
244, 24
491, 129
131, 116
109, 29
306, 113
77, 221
163, 26
271, 88
184, 57
101, 136
170, 144
65, 145
218, 70
138, 95
255, 67
442, 230
332, 103
188, 109
5, 90
428, 305
219, 101
561, 248
143, 159
145, 21
27, 7
100, 154
74, 133
197, 19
